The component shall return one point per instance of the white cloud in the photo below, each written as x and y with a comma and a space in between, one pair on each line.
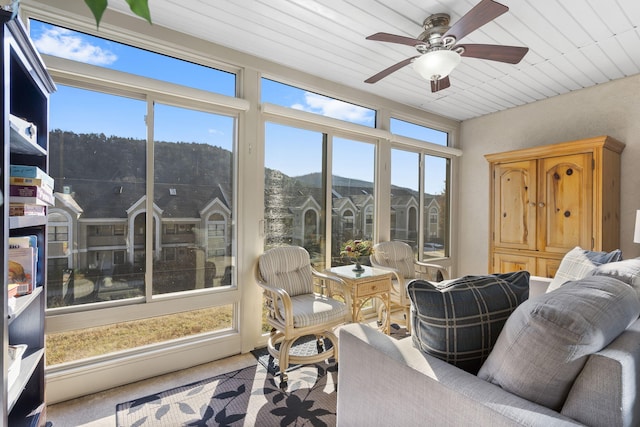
334, 108
65, 44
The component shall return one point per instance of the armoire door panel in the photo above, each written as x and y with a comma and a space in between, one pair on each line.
507, 262
514, 205
565, 212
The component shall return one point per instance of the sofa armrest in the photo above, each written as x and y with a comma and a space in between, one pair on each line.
538, 285
383, 382
605, 392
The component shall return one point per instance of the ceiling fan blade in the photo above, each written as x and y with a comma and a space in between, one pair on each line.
393, 38
509, 54
483, 12
384, 73
437, 85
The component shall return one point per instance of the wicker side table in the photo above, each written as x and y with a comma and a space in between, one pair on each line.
365, 286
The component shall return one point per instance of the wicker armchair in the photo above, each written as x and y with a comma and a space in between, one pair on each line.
293, 308
398, 257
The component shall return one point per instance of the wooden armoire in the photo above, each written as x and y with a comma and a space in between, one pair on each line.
546, 200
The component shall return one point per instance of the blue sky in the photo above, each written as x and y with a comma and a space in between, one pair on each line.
84, 112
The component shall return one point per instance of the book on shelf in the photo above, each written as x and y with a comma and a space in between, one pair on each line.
22, 268
26, 209
32, 200
30, 241
30, 194
26, 171
38, 182
30, 191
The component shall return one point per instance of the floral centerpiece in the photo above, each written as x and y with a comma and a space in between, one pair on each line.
355, 249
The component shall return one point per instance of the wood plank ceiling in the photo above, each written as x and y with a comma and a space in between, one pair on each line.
573, 44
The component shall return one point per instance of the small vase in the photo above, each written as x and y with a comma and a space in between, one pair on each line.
358, 267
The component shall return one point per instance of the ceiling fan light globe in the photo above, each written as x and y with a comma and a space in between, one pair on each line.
437, 64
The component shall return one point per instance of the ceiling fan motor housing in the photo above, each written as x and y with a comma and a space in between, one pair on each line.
435, 26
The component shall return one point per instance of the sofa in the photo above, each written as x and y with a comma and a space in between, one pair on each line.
384, 381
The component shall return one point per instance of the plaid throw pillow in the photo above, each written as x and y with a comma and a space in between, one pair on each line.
459, 321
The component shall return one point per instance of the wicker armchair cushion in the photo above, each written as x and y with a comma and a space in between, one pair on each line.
312, 309
460, 320
289, 268
396, 255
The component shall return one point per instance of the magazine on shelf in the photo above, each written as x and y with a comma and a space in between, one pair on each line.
30, 241
22, 268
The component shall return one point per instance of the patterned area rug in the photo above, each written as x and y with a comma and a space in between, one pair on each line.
246, 397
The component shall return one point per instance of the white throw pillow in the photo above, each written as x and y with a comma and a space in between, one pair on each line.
546, 341
578, 263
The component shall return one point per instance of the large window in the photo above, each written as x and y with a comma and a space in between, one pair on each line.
296, 176
405, 196
97, 178
353, 197
64, 43
427, 232
194, 176
436, 206
294, 199
419, 132
116, 240
300, 99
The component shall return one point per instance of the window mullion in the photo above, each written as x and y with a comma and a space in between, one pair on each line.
149, 240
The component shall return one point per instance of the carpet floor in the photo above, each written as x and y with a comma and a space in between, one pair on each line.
246, 397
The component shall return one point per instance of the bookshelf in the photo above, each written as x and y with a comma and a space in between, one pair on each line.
25, 102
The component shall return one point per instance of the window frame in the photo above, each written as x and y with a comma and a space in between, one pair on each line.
424, 223
92, 78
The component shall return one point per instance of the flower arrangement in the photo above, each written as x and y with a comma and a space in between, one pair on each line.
356, 248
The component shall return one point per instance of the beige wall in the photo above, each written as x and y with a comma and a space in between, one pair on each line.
609, 109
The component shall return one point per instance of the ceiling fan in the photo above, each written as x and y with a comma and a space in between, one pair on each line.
439, 53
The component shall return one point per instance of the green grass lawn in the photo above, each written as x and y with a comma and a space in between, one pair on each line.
75, 345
